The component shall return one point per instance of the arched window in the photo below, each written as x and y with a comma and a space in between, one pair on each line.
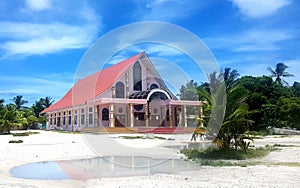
137, 77
153, 86
105, 114
120, 90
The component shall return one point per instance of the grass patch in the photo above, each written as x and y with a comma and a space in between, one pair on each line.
132, 137
21, 134
284, 145
15, 141
216, 154
142, 137
66, 132
24, 133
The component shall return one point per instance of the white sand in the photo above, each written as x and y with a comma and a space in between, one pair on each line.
49, 146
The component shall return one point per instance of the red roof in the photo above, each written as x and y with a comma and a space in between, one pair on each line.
90, 87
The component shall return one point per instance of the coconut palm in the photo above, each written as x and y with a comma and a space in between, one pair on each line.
230, 77
18, 101
9, 118
280, 72
48, 101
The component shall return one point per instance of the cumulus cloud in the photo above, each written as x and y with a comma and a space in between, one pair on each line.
38, 5
167, 10
39, 32
259, 8
250, 40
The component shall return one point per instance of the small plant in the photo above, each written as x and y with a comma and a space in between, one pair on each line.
15, 141
21, 134
240, 154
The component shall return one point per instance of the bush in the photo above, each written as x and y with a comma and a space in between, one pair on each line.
15, 141
214, 153
21, 134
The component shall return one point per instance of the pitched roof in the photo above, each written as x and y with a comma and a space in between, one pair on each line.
91, 86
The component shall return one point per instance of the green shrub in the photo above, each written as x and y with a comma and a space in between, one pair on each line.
21, 134
15, 141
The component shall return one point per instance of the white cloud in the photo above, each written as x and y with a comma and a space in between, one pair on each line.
33, 87
38, 5
166, 10
259, 8
251, 40
32, 39
34, 35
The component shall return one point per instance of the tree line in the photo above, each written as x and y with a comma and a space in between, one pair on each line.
16, 115
234, 106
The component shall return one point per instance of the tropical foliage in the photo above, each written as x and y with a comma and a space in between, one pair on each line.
18, 116
248, 104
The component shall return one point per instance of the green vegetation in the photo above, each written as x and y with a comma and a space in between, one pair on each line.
24, 133
15, 115
66, 132
15, 141
142, 137
231, 154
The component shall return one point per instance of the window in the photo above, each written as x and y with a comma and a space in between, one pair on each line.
153, 86
120, 109
90, 109
69, 120
82, 118
104, 114
50, 121
90, 119
120, 90
82, 110
138, 107
137, 77
64, 120
75, 120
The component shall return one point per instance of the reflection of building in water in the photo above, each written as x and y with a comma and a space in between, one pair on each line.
128, 94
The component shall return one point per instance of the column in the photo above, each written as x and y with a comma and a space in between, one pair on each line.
127, 85
201, 115
146, 115
184, 116
96, 117
113, 88
72, 118
111, 115
131, 115
170, 116
86, 112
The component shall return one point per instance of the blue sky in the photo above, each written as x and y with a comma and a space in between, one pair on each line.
43, 41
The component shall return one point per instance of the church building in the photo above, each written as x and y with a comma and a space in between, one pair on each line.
130, 94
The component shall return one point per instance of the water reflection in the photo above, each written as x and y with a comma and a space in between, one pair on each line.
109, 166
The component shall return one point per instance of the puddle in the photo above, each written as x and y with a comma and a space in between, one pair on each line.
109, 166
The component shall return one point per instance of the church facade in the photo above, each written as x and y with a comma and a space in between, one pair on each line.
129, 94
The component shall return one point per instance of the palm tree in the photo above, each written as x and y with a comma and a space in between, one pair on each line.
48, 101
8, 118
280, 72
19, 102
1, 103
230, 77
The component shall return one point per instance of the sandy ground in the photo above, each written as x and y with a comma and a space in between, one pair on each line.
49, 146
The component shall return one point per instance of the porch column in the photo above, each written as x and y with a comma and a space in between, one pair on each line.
201, 115
96, 123
146, 115
184, 116
111, 115
170, 116
72, 119
127, 84
131, 115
